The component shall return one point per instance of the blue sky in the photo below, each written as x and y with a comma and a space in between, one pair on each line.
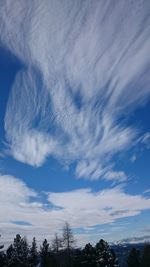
74, 118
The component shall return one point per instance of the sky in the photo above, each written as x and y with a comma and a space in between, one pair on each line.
74, 119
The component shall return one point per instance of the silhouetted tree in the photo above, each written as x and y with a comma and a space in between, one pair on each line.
33, 254
77, 258
68, 238
17, 254
104, 255
45, 254
20, 255
88, 256
146, 256
134, 258
2, 256
10, 255
3, 259
115, 262
1, 246
68, 241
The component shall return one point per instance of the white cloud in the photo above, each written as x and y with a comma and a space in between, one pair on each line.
145, 139
82, 208
90, 169
146, 229
1, 155
32, 148
112, 175
82, 75
101, 207
133, 158
146, 191
93, 170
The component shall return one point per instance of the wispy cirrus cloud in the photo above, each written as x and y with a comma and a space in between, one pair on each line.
145, 139
85, 70
146, 191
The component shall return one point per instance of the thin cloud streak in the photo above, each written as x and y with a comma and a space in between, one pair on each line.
85, 70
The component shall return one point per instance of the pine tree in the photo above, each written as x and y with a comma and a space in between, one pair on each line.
134, 258
25, 252
45, 253
2, 256
115, 262
33, 254
78, 258
146, 256
17, 254
1, 246
88, 256
104, 255
9, 254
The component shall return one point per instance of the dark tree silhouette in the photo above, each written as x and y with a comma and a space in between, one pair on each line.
2, 256
33, 254
68, 241
17, 254
88, 256
104, 255
134, 258
146, 256
45, 254
1, 246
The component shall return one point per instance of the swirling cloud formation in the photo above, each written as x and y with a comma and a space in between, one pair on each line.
85, 68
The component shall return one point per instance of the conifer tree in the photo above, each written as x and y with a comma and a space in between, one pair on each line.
17, 254
88, 256
9, 255
33, 254
25, 252
1, 246
45, 255
104, 255
134, 258
146, 256
2, 256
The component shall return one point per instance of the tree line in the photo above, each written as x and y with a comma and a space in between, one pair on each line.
137, 259
62, 253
